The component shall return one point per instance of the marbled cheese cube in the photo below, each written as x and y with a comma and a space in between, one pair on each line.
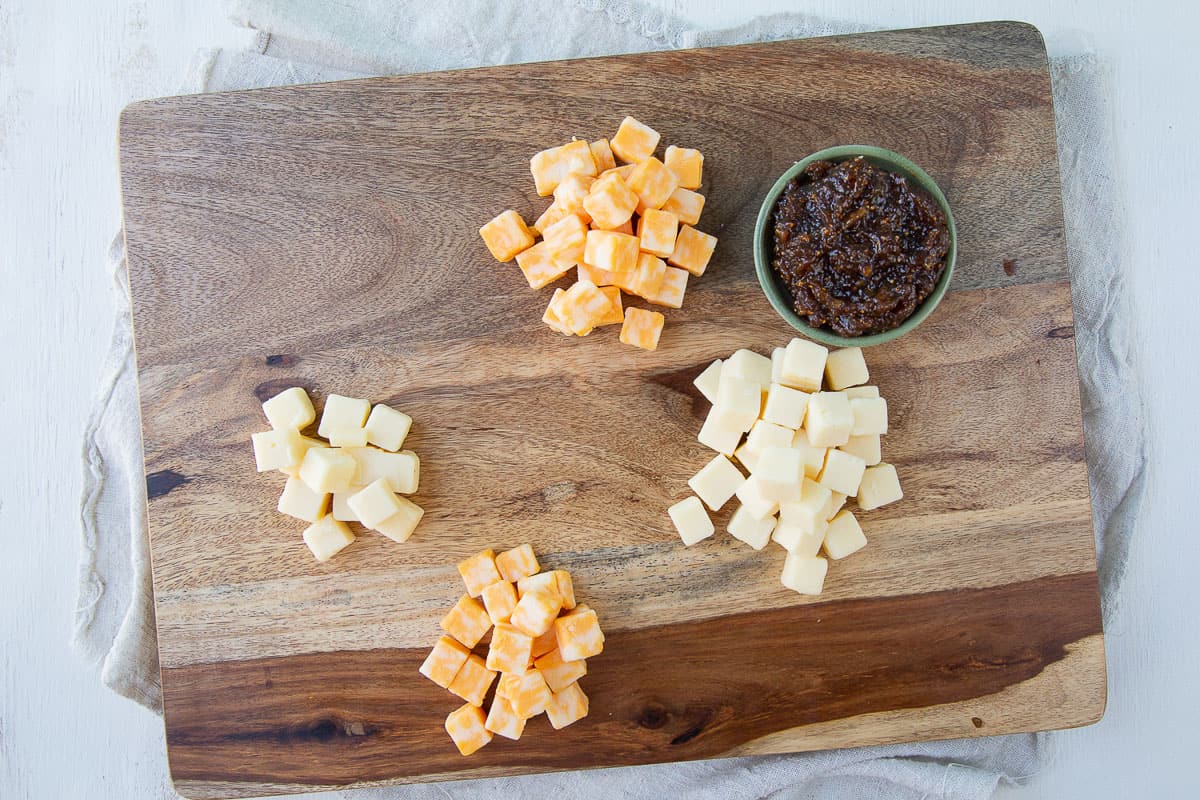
553, 213
691, 520
609, 202
744, 527
865, 447
510, 650
716, 482
473, 681
566, 588
686, 205
809, 509
529, 696
541, 582
341, 511
780, 471
502, 720
328, 469
738, 402
570, 193
656, 232
374, 503
278, 449
844, 536
634, 142
602, 154
327, 537
506, 235
814, 457
785, 406
499, 600
879, 486
291, 408
708, 381
870, 416
799, 539
642, 328
579, 635
343, 413
687, 165
467, 621
625, 170
518, 563
401, 470
400, 526
647, 279
539, 265
544, 644
551, 317
560, 674
600, 277
479, 571
693, 249
803, 365
508, 682
829, 419
301, 502
674, 287
717, 434
749, 366
842, 472
568, 706
466, 727
612, 251
550, 167
444, 661
582, 307
567, 239
754, 500
616, 313
804, 574
846, 367
535, 612
653, 184
387, 428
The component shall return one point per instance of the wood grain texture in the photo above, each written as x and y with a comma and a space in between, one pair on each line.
325, 236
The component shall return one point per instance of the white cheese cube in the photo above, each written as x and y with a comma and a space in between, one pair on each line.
278, 449
717, 435
843, 536
709, 380
777, 365
327, 537
341, 510
765, 434
842, 472
829, 419
870, 416
387, 428
749, 366
374, 503
347, 437
747, 457
780, 472
804, 575
691, 520
401, 525
879, 486
291, 408
809, 509
799, 539
342, 413
754, 501
865, 447
716, 482
814, 457
754, 532
401, 470
785, 406
738, 402
803, 365
861, 391
836, 501
846, 367
328, 469
301, 502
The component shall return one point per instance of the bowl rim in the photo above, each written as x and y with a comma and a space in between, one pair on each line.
881, 157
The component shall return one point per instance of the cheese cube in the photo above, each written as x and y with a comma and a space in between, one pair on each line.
400, 526
642, 328
803, 365
499, 600
550, 167
568, 706
535, 612
341, 511
738, 402
656, 232
865, 447
551, 317
708, 381
716, 482
829, 420
479, 571
870, 416
844, 536
842, 472
566, 240
292, 471
693, 249
518, 563
780, 471
328, 469
301, 502
291, 408
569, 194
467, 621
799, 539
674, 286
566, 588
686, 205
616, 313
600, 277
473, 681
327, 537
755, 532
529, 696
347, 437
540, 266
544, 644
579, 635
374, 503
508, 682
765, 434
466, 727
401, 470
814, 457
610, 202
506, 235
879, 486
343, 413
602, 154
444, 661
749, 366
777, 365
388, 428
647, 280
634, 141
560, 674
541, 582
653, 184
278, 449
510, 649
553, 213
691, 520
624, 171
809, 509
502, 720
785, 406
855, 392
718, 435
582, 307
804, 574
836, 501
612, 251
754, 500
747, 457
686, 164
846, 367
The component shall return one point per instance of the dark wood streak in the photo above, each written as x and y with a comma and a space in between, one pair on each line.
1063, 332
158, 484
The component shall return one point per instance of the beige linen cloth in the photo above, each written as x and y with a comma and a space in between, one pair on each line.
306, 41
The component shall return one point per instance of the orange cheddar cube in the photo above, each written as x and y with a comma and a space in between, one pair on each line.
686, 163
540, 265
530, 694
500, 599
507, 235
625, 170
553, 213
602, 154
684, 204
503, 721
466, 727
551, 316
569, 705
565, 240
610, 202
467, 621
566, 588
479, 571
544, 644
520, 562
510, 649
541, 582
582, 306
612, 251
674, 285
648, 278
570, 193
560, 674
550, 167
535, 612
473, 681
693, 249
579, 635
617, 314
657, 231
600, 277
653, 183
634, 142
444, 661
508, 682
642, 328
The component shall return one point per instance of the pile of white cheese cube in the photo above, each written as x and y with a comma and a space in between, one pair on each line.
358, 474
807, 449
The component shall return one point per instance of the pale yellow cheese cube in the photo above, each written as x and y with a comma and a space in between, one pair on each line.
691, 520
716, 482
744, 527
301, 502
642, 328
844, 536
803, 365
473, 681
738, 402
687, 164
814, 457
347, 437
780, 471
610, 202
328, 469
870, 416
809, 508
865, 447
510, 649
879, 486
656, 232
374, 503
551, 317
400, 526
804, 574
708, 381
341, 511
578, 634
686, 205
550, 167
292, 471
829, 419
846, 367
539, 265
602, 154
756, 503
582, 307
535, 612
401, 470
693, 250
653, 183
634, 142
560, 674
785, 406
506, 235
500, 599
444, 661
388, 428
467, 621
278, 449
777, 365
291, 408
529, 696
616, 313
765, 434
343, 413
672, 290
747, 457
612, 251
717, 434
749, 366
801, 540
570, 193
842, 472
836, 501
568, 706
566, 240
327, 537
479, 571
517, 563
861, 391
502, 720
466, 728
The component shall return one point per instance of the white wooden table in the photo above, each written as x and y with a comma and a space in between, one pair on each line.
66, 70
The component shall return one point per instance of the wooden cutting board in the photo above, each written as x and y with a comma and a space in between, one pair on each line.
325, 236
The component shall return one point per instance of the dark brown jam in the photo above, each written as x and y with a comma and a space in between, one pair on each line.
858, 248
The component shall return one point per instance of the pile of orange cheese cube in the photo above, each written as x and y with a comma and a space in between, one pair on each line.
540, 640
618, 226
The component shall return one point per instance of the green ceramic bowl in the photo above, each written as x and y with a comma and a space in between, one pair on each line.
764, 245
